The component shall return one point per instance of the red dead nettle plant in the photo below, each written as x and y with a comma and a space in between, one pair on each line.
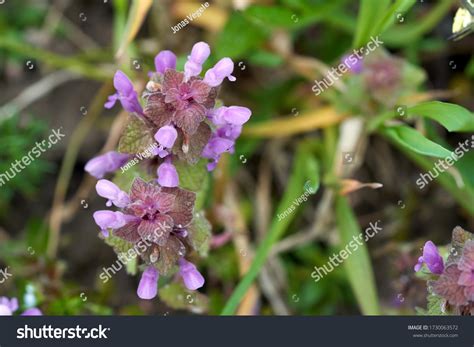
159, 197
450, 278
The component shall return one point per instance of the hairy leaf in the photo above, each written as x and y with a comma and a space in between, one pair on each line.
136, 138
176, 296
199, 234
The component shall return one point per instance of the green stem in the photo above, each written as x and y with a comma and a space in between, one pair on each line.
68, 63
278, 227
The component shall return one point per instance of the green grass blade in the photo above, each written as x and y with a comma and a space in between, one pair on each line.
302, 172
369, 14
358, 264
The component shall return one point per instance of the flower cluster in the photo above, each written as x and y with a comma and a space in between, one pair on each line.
454, 278
10, 306
179, 113
160, 219
179, 123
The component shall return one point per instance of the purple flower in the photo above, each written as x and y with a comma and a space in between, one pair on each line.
105, 163
167, 175
235, 115
5, 311
182, 102
32, 312
223, 69
153, 212
192, 278
199, 54
148, 286
165, 60
431, 258
214, 149
166, 136
125, 94
9, 306
106, 219
353, 63
160, 217
110, 191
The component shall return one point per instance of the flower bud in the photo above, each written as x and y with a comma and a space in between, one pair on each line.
191, 276
148, 286
165, 60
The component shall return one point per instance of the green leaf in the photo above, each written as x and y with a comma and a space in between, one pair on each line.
369, 14
463, 195
410, 31
435, 304
412, 77
264, 58
124, 179
451, 116
119, 245
414, 141
192, 177
200, 233
358, 264
285, 213
234, 41
398, 7
273, 16
37, 233
131, 265
136, 138
176, 296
